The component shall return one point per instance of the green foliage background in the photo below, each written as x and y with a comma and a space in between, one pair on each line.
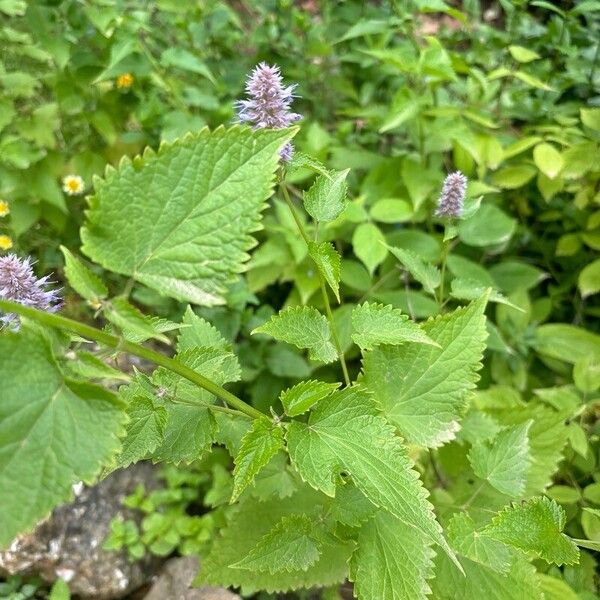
399, 93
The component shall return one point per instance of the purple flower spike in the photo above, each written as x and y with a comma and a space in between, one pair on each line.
18, 283
268, 103
452, 198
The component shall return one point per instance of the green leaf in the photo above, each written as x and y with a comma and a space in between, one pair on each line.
423, 389
145, 430
548, 160
89, 366
392, 562
532, 81
304, 327
535, 527
426, 274
298, 399
253, 520
504, 461
588, 281
183, 59
328, 262
513, 275
489, 226
258, 447
467, 289
590, 117
86, 283
523, 55
54, 432
60, 591
369, 245
290, 546
375, 324
567, 342
131, 320
179, 220
346, 433
513, 177
197, 332
391, 210
326, 199
472, 544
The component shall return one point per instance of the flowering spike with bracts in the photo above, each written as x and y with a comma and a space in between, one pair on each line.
268, 103
452, 198
18, 283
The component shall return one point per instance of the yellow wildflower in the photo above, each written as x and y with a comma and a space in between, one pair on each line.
4, 208
73, 185
5, 242
124, 81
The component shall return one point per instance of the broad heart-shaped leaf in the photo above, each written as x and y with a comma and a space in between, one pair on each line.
504, 462
326, 199
258, 447
535, 527
392, 562
53, 432
328, 262
426, 274
179, 220
290, 546
423, 388
253, 520
347, 433
470, 543
305, 327
298, 399
375, 324
87, 284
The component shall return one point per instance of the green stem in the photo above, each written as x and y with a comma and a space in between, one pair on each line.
334, 334
121, 345
445, 249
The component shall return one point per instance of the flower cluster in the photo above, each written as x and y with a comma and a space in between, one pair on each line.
73, 185
18, 283
268, 103
452, 198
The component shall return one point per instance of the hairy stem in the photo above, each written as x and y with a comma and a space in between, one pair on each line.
122, 345
334, 334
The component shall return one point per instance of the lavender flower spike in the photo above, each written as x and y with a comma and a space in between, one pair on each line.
452, 198
268, 103
18, 283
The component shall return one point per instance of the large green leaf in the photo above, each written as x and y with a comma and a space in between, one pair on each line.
393, 560
347, 433
54, 432
179, 220
423, 388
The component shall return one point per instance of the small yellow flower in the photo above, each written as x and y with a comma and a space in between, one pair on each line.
5, 242
124, 81
73, 185
4, 208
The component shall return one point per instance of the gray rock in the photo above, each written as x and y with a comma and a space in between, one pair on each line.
174, 583
69, 543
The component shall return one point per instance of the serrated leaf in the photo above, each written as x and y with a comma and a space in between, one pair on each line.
86, 283
54, 432
468, 289
89, 366
375, 324
328, 262
346, 433
196, 332
326, 198
304, 327
422, 388
368, 242
145, 430
298, 399
180, 220
350, 506
290, 546
465, 538
128, 318
504, 462
258, 447
392, 562
251, 521
535, 527
426, 274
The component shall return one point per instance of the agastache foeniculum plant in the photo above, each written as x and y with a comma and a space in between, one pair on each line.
268, 103
18, 283
452, 199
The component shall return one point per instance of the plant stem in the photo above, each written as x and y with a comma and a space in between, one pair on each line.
334, 334
121, 345
445, 250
